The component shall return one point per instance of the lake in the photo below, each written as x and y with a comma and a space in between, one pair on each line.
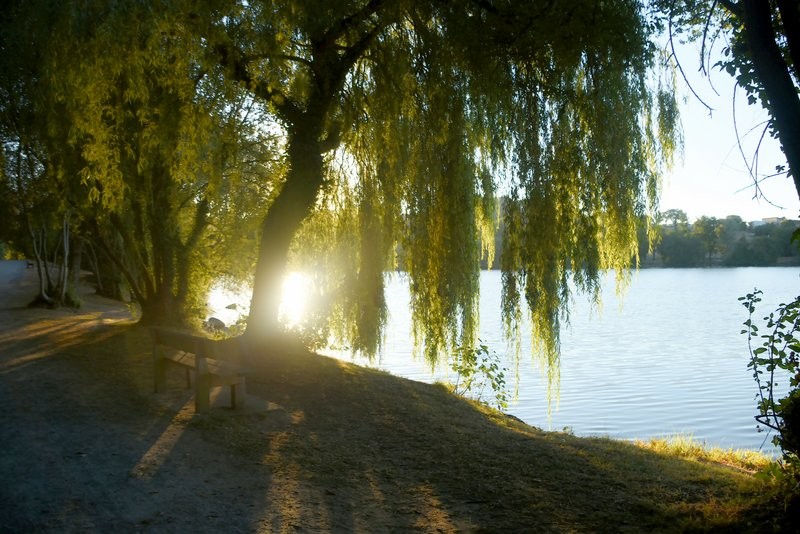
666, 359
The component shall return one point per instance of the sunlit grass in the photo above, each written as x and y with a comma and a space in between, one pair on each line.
685, 446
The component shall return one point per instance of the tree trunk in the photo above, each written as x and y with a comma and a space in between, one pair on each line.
292, 205
76, 264
184, 257
41, 266
98, 279
774, 74
790, 16
63, 278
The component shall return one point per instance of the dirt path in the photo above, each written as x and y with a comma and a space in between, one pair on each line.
84, 446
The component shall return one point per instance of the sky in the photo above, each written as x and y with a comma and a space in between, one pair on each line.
712, 178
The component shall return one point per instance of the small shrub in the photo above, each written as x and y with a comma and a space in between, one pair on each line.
774, 358
477, 370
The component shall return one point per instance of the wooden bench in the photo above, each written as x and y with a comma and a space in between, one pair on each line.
198, 357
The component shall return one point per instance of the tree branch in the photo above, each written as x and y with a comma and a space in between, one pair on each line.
287, 57
680, 68
346, 24
352, 54
734, 8
705, 36
232, 60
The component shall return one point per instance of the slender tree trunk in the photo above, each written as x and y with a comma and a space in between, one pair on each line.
774, 74
184, 254
118, 259
63, 278
45, 263
41, 266
292, 205
75, 265
98, 279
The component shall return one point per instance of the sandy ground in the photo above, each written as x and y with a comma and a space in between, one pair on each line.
81, 452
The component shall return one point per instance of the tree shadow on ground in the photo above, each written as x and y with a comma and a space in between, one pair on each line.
349, 449
364, 441
92, 448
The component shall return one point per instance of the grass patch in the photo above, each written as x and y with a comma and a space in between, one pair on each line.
683, 446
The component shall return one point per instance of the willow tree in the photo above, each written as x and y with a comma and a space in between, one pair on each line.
40, 222
149, 138
403, 119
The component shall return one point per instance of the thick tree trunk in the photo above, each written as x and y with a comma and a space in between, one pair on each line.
790, 16
160, 309
774, 74
292, 205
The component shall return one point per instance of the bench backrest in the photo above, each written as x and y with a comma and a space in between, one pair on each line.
229, 350
198, 346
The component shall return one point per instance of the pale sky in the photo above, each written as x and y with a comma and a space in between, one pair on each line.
713, 179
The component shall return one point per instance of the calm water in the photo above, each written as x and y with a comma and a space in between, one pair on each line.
667, 359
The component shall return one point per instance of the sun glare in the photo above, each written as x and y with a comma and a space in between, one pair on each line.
228, 306
296, 292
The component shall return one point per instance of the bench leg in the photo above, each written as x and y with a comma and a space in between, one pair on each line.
159, 371
202, 392
237, 394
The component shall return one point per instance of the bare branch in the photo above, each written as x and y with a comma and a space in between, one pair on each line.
757, 151
680, 69
286, 57
708, 60
703, 41
739, 137
752, 166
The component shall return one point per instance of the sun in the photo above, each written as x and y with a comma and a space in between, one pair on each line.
294, 299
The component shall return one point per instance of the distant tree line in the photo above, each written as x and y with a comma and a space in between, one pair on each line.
709, 242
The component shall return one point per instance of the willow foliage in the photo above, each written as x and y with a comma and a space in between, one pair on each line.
160, 147
414, 127
456, 104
